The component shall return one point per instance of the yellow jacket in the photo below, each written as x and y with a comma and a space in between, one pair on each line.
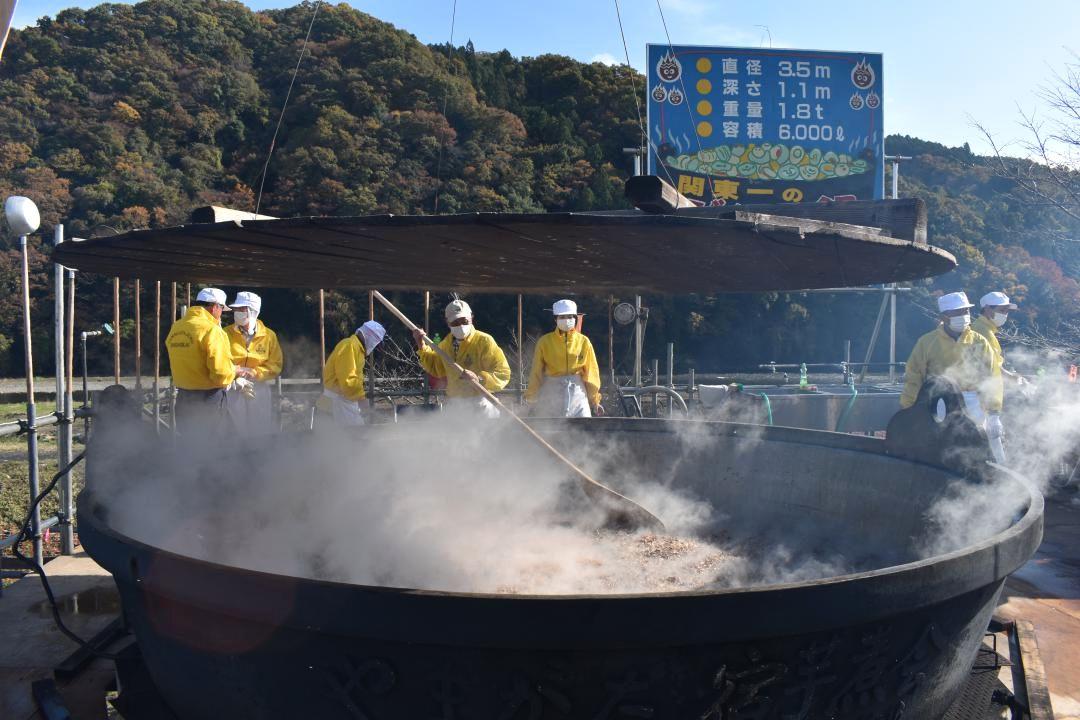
565, 353
199, 354
344, 371
479, 353
989, 330
262, 354
968, 361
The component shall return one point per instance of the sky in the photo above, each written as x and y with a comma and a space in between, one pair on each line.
947, 63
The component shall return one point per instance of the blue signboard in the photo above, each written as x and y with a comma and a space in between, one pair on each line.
744, 125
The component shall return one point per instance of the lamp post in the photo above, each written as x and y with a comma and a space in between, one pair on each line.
23, 219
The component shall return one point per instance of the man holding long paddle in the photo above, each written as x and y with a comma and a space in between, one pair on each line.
475, 351
621, 510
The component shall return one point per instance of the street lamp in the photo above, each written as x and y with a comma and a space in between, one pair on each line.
23, 218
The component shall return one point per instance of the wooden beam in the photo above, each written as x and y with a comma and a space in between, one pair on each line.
653, 194
216, 214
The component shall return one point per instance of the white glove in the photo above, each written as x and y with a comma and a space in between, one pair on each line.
994, 430
246, 387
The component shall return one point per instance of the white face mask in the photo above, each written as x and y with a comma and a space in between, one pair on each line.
461, 331
244, 320
566, 324
959, 323
1000, 318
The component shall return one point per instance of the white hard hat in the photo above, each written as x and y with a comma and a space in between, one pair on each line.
248, 300
953, 301
212, 295
996, 299
564, 307
372, 333
458, 309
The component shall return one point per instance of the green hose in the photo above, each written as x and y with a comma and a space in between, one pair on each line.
847, 409
768, 406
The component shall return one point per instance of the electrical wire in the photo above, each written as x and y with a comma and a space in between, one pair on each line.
637, 101
682, 83
284, 105
446, 99
26, 533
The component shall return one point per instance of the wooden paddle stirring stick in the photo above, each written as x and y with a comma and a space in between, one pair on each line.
622, 511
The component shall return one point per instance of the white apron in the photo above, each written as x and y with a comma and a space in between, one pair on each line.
480, 405
251, 416
562, 396
346, 413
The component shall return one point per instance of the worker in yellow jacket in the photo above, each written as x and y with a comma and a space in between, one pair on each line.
343, 374
994, 310
201, 364
955, 351
257, 356
476, 351
565, 377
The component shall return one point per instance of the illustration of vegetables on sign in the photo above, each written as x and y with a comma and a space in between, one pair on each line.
760, 125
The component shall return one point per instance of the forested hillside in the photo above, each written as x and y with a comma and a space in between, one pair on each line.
124, 117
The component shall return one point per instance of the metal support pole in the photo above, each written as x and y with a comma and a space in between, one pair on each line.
656, 381
847, 361
370, 305
671, 364
67, 534
85, 391
31, 406
116, 330
322, 329
520, 353
892, 335
427, 312
187, 296
172, 388
873, 338
63, 450
637, 341
427, 330
895, 161
138, 337
611, 340
157, 356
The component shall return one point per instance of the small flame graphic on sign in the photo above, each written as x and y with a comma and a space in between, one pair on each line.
659, 94
873, 101
856, 101
669, 68
862, 75
675, 97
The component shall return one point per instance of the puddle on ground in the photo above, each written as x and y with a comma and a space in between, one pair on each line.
94, 601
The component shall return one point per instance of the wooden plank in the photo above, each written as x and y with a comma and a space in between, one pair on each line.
1038, 692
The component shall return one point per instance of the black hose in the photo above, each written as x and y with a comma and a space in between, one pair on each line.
25, 533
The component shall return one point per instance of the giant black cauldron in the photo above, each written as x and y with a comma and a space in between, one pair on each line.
895, 642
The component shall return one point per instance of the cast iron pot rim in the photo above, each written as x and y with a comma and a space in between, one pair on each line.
1031, 515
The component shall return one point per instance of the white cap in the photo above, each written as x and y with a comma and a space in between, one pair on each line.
248, 300
996, 299
212, 295
458, 309
953, 301
564, 307
372, 334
